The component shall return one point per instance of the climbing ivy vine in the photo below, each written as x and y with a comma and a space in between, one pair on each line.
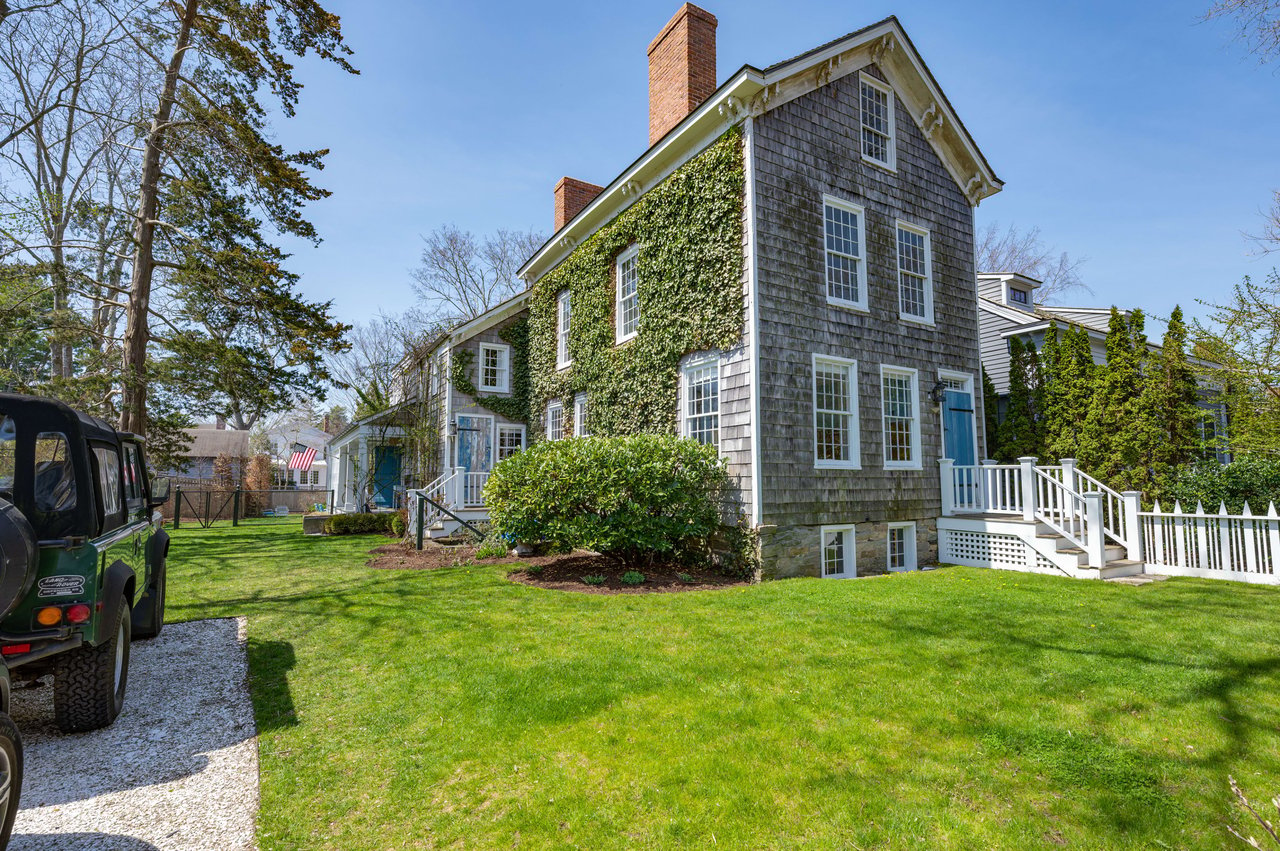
514, 407
689, 233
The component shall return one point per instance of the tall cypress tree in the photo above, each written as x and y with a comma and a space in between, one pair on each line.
1169, 415
1112, 438
1072, 380
1019, 432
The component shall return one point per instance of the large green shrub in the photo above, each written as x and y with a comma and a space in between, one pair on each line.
1255, 480
636, 497
382, 523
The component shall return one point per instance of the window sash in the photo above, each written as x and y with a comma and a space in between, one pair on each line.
843, 240
838, 553
835, 427
702, 402
562, 329
580, 416
876, 115
915, 286
510, 441
900, 418
493, 369
627, 306
555, 421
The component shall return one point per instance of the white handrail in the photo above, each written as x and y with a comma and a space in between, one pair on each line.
1113, 520
1061, 508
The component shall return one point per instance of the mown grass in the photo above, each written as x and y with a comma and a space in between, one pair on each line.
956, 708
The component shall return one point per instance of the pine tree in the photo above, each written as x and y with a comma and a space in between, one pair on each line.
1069, 388
1019, 432
1112, 439
990, 415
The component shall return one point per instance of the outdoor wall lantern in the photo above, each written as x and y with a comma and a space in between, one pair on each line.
937, 394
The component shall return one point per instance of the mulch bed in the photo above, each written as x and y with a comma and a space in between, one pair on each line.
562, 572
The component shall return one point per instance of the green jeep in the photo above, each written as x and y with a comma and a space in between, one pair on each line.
82, 555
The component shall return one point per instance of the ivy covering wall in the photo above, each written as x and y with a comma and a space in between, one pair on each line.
462, 374
689, 232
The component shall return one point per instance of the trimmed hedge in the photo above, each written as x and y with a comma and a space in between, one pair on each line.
383, 523
634, 497
1255, 480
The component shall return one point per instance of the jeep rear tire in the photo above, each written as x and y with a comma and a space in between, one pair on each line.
10, 776
150, 620
89, 682
18, 558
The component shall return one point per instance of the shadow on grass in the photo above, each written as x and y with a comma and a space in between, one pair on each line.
269, 666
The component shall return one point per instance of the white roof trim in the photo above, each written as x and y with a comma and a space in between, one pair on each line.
489, 318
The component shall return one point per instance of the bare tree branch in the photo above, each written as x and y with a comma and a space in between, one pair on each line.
1024, 253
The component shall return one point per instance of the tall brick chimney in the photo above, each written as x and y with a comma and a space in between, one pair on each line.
571, 196
682, 68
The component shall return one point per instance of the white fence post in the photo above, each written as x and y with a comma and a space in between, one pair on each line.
457, 486
1028, 477
1131, 504
1179, 536
1069, 473
946, 475
987, 487
1094, 536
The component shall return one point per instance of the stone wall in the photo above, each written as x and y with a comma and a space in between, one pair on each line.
791, 551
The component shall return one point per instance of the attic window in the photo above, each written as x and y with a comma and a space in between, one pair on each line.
877, 122
1017, 296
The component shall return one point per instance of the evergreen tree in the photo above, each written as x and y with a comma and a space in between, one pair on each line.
1069, 386
1111, 443
1169, 416
990, 415
1019, 432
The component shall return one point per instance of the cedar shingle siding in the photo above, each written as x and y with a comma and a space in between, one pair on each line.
803, 149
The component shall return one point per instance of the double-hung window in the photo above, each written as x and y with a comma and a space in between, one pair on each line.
901, 543
845, 243
835, 413
555, 420
626, 309
838, 553
562, 330
702, 400
877, 122
510, 440
495, 369
580, 416
915, 274
899, 401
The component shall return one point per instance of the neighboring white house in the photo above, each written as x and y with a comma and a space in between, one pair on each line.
283, 437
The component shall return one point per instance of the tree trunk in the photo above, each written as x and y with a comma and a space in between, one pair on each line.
133, 409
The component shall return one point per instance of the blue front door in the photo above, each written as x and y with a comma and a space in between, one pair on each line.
958, 431
386, 475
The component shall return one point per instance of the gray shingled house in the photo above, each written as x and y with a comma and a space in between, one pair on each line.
786, 272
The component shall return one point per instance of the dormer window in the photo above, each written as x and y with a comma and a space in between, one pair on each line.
877, 122
1018, 296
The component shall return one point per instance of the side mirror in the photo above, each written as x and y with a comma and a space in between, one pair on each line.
159, 492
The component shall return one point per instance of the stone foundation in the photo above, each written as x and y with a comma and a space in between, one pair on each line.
789, 551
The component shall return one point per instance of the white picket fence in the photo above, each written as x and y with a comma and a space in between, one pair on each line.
1244, 547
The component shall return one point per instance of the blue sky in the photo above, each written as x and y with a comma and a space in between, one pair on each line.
1130, 133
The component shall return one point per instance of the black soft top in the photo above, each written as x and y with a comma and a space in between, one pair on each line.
46, 414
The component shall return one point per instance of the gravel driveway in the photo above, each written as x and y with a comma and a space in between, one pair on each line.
178, 771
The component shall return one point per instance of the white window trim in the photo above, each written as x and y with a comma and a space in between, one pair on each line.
546, 424
562, 333
850, 552
497, 443
506, 371
917, 464
892, 163
927, 319
688, 366
855, 431
908, 547
618, 337
970, 384
861, 213
580, 415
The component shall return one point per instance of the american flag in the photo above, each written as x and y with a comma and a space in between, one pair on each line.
302, 457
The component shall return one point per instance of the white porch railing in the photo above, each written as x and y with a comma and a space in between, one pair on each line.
455, 490
473, 489
1072, 503
1244, 547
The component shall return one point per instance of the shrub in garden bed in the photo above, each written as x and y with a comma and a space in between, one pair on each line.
639, 498
362, 524
1252, 480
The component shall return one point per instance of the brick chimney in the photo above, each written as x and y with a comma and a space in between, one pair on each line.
682, 68
571, 196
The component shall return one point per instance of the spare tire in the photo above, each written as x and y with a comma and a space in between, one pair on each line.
18, 556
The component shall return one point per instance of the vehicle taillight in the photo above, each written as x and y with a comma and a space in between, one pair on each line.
79, 613
14, 649
49, 616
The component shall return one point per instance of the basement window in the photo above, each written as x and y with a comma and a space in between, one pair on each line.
838, 554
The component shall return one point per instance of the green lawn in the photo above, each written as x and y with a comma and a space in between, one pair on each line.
956, 708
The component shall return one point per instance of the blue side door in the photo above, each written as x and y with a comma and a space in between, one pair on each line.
958, 429
386, 475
